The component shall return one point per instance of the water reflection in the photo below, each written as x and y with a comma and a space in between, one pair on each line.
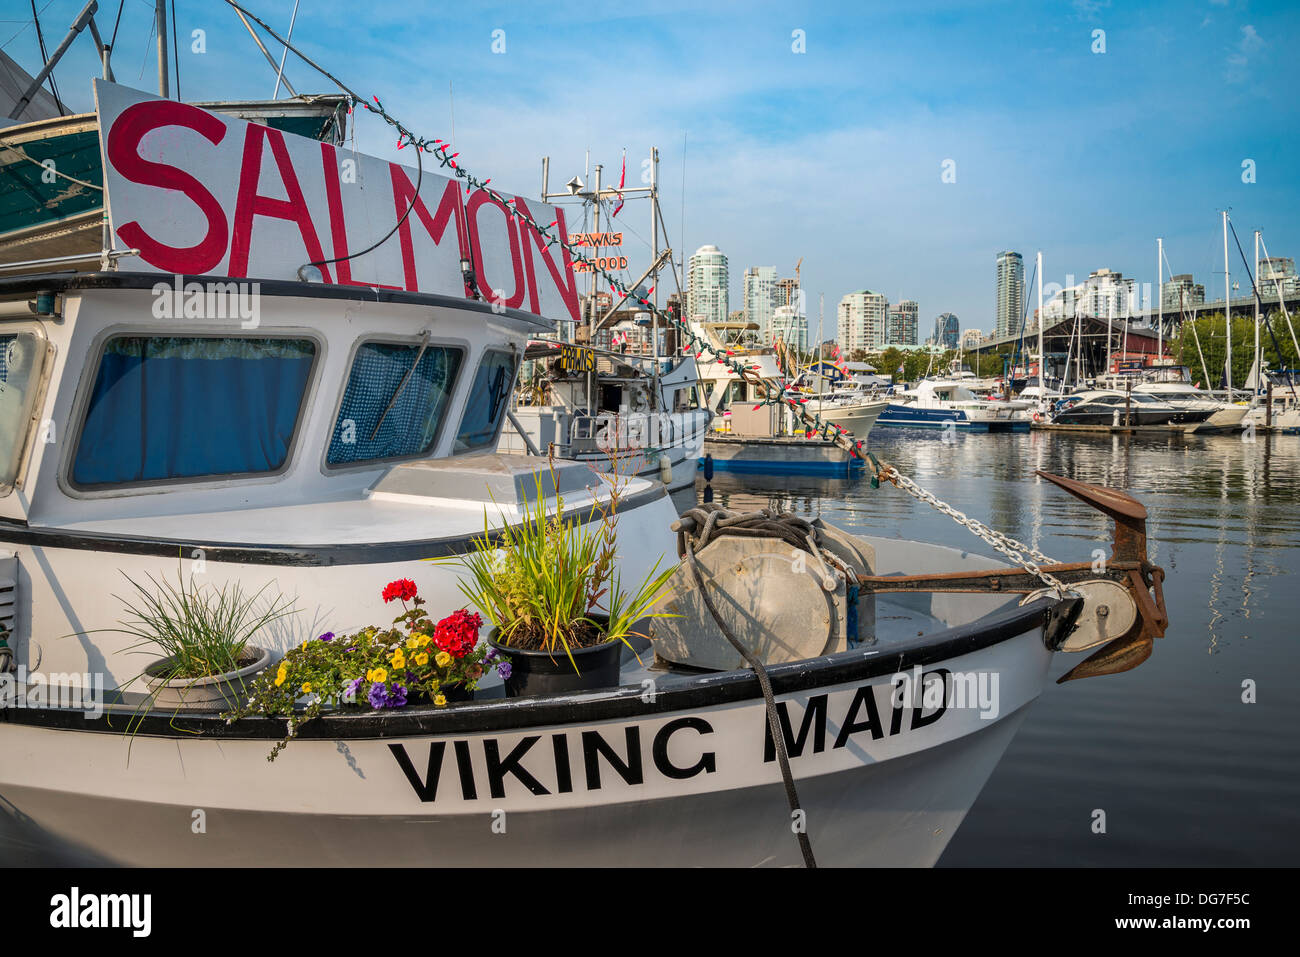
1198, 776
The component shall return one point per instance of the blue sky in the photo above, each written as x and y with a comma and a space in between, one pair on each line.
835, 154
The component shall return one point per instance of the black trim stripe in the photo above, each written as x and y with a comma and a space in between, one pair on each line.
504, 714
15, 532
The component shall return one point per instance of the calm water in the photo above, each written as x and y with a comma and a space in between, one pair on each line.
1186, 773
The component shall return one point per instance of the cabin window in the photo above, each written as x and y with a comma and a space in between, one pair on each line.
394, 403
22, 359
488, 400
185, 407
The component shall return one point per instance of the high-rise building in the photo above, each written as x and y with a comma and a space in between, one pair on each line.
787, 293
1183, 291
760, 298
862, 321
1277, 271
904, 325
1102, 295
707, 285
946, 331
971, 339
792, 326
1010, 293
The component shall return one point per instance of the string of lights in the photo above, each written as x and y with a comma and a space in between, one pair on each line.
771, 393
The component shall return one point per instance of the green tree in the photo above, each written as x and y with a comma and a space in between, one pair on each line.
1210, 331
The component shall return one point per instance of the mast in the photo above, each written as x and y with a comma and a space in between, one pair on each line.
1227, 307
1160, 297
160, 22
821, 369
595, 287
1110, 318
1259, 364
654, 251
1042, 374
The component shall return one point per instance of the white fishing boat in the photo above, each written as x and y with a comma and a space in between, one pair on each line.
600, 408
325, 437
640, 409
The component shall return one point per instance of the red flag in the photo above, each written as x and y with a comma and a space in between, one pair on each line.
622, 179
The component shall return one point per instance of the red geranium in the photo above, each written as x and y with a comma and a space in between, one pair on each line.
403, 588
457, 634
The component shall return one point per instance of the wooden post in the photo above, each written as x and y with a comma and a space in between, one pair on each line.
1128, 403
1268, 408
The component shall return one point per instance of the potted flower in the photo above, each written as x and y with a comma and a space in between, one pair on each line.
202, 635
555, 598
417, 660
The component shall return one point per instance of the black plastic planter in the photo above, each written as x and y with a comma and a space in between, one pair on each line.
545, 672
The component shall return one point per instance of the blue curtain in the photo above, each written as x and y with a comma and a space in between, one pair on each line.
411, 425
487, 400
175, 407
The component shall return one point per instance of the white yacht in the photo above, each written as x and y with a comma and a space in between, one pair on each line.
938, 404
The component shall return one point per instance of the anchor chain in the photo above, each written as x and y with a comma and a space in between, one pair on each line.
1008, 546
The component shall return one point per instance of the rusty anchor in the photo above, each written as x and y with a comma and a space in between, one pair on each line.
1128, 566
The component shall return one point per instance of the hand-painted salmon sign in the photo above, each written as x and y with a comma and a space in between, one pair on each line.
203, 194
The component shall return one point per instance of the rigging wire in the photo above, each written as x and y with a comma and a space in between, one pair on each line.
176, 52
1267, 322
116, 23
45, 58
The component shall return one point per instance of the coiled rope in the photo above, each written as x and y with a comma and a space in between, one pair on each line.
711, 521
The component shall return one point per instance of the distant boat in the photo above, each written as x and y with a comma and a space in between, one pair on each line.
939, 404
1110, 407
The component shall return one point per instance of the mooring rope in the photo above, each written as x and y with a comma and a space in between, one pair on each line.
713, 521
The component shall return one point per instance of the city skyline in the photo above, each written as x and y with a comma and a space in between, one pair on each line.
947, 164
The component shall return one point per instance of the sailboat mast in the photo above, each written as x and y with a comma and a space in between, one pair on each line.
1160, 297
1042, 366
1259, 364
1227, 307
160, 22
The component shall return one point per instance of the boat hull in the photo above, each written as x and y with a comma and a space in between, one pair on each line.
904, 416
682, 777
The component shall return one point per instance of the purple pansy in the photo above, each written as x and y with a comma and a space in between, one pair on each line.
379, 698
503, 669
490, 655
328, 636
350, 689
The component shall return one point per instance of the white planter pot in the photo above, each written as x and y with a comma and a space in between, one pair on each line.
216, 693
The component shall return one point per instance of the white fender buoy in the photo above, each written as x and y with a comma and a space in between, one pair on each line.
665, 468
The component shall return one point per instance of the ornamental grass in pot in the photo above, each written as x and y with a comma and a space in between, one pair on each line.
552, 591
203, 636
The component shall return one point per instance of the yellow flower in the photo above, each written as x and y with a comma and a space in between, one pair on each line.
422, 659
282, 674
377, 674
424, 641
399, 659
413, 642
306, 687
443, 659
440, 700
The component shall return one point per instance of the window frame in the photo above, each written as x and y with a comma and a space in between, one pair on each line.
495, 440
90, 375
28, 447
393, 339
